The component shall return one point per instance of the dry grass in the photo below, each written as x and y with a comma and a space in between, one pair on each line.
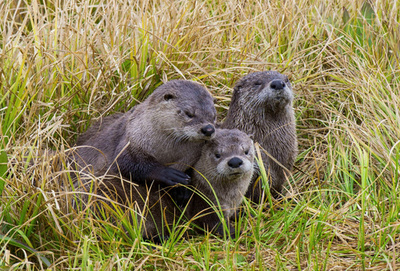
64, 63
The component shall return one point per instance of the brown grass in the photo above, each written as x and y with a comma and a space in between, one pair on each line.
64, 63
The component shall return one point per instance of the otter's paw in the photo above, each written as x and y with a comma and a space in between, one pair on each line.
170, 176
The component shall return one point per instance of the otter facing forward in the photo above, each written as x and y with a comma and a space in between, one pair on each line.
157, 140
223, 174
262, 106
225, 168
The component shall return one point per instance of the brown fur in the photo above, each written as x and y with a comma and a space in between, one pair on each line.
156, 140
228, 178
266, 114
154, 209
222, 175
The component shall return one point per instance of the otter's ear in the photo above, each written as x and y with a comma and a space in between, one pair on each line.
238, 87
169, 96
251, 136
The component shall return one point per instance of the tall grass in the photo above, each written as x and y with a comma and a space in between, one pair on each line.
66, 63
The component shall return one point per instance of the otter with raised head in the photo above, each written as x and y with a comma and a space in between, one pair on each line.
156, 140
222, 176
261, 106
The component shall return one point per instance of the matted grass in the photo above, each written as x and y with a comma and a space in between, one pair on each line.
64, 64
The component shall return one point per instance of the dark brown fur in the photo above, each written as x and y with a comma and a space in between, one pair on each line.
156, 140
228, 176
267, 114
153, 207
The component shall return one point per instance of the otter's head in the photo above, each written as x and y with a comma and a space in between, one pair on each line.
184, 110
229, 156
268, 91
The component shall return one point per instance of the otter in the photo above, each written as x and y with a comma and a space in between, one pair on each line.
157, 140
261, 106
221, 178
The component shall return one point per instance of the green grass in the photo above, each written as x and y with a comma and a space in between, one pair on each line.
64, 64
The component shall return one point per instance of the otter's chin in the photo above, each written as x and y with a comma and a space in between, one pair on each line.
201, 137
191, 137
237, 174
275, 103
282, 100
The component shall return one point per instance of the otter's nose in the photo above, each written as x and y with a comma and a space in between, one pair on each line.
277, 84
235, 162
208, 130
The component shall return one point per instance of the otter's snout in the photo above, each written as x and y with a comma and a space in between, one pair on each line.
235, 162
208, 130
277, 84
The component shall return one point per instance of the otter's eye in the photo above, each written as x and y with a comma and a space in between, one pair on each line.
189, 115
239, 86
258, 83
217, 155
246, 152
168, 97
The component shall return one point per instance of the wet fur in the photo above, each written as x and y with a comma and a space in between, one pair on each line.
156, 140
152, 205
269, 118
159, 210
229, 189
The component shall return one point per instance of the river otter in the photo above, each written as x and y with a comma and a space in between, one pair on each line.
156, 140
222, 174
261, 106
225, 168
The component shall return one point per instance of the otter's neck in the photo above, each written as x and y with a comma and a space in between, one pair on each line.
228, 191
275, 132
251, 119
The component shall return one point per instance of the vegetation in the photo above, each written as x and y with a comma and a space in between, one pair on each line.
64, 63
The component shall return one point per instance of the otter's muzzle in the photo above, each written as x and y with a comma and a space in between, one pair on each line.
235, 162
277, 84
208, 130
